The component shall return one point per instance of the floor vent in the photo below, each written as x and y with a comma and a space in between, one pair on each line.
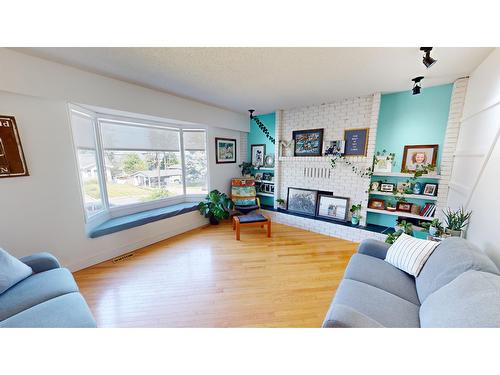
123, 257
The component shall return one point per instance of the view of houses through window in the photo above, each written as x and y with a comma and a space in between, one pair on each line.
140, 162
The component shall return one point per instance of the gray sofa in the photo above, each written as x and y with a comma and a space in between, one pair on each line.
459, 286
49, 298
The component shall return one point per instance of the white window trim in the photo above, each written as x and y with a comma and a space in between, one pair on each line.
111, 212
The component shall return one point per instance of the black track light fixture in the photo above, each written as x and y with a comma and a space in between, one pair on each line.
416, 85
427, 59
251, 113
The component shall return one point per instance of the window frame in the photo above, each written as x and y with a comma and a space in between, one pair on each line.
108, 212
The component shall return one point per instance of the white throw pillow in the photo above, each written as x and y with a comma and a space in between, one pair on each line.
12, 270
409, 254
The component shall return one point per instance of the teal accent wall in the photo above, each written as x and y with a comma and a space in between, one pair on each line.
406, 119
256, 137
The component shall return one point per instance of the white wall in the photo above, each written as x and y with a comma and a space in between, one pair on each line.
44, 212
475, 181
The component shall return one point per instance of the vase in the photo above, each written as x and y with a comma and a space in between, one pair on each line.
355, 220
454, 233
433, 231
213, 220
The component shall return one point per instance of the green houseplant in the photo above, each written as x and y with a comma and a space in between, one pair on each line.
216, 206
400, 228
456, 221
356, 213
435, 227
246, 168
281, 203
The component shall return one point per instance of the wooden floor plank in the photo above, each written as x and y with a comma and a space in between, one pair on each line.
205, 278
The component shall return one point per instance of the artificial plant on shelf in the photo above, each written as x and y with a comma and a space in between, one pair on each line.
420, 171
456, 221
216, 206
435, 227
338, 158
246, 168
389, 157
356, 213
401, 227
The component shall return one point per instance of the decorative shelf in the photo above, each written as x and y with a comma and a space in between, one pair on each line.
266, 194
412, 196
399, 213
406, 175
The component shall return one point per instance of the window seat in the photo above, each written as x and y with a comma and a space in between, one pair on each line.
118, 224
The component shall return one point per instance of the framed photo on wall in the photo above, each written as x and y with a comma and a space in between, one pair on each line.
430, 189
377, 204
356, 142
258, 153
403, 207
335, 147
387, 187
225, 150
416, 156
302, 201
12, 161
333, 208
308, 142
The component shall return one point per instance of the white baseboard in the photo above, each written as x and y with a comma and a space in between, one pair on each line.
112, 253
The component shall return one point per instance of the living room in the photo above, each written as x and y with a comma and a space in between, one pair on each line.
249, 187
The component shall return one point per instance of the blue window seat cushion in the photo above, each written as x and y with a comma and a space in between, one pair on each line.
118, 224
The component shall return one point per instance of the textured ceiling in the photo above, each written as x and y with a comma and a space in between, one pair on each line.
269, 78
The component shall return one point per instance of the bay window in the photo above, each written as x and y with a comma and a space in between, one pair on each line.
129, 165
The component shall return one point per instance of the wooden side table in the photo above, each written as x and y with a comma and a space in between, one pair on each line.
251, 220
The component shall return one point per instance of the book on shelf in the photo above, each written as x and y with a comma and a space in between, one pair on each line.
428, 210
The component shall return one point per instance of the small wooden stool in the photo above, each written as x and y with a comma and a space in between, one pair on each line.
251, 220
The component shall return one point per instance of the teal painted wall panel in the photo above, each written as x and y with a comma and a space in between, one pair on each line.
406, 119
256, 137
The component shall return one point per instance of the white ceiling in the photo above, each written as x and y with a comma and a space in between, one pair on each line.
269, 78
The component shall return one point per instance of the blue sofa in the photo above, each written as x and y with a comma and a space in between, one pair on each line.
49, 298
459, 286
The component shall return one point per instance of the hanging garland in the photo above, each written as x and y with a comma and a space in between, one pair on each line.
261, 126
363, 173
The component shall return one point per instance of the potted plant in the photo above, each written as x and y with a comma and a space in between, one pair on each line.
216, 206
356, 213
435, 227
456, 221
246, 169
391, 205
281, 203
401, 227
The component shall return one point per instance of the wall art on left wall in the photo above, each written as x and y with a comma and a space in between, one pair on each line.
12, 161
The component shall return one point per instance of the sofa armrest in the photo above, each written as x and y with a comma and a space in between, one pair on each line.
374, 248
41, 262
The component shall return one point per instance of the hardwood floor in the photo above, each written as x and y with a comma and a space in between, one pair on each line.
205, 278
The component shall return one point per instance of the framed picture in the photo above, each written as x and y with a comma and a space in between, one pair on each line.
430, 189
403, 206
302, 201
266, 176
415, 156
377, 204
12, 161
402, 187
382, 163
258, 152
333, 208
386, 187
258, 176
225, 150
308, 142
374, 186
356, 142
335, 147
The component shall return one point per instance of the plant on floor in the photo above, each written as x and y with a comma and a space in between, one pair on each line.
246, 168
456, 221
216, 206
356, 213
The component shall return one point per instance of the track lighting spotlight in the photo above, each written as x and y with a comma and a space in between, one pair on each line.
427, 59
251, 113
416, 85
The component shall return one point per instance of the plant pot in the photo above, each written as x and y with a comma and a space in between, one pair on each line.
391, 209
355, 220
213, 220
433, 231
453, 233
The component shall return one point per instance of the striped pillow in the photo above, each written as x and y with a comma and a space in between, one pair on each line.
409, 254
